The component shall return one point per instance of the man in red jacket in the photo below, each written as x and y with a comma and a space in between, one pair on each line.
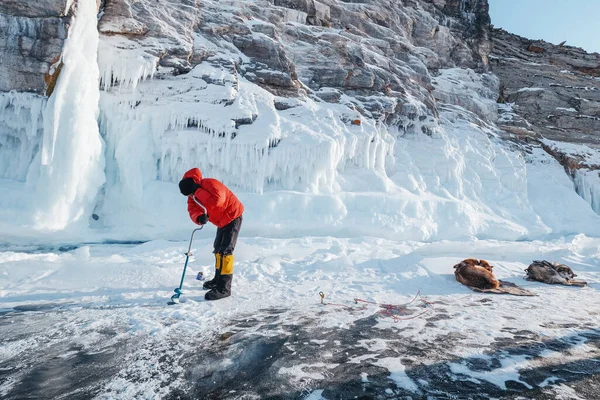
211, 201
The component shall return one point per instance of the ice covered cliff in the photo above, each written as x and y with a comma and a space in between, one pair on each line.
371, 117
551, 95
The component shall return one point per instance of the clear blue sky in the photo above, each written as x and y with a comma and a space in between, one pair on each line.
576, 21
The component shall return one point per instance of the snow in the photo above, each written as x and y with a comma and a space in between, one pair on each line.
506, 112
509, 371
311, 263
303, 371
102, 286
550, 187
21, 130
475, 92
531, 89
54, 146
315, 395
290, 167
397, 373
458, 182
123, 65
72, 163
585, 178
589, 155
564, 392
587, 183
306, 161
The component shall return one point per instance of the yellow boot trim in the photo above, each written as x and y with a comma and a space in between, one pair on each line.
218, 261
227, 265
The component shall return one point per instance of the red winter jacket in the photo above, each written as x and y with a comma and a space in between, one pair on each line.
222, 206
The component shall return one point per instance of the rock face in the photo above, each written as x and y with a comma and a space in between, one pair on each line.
555, 89
31, 42
380, 52
164, 29
359, 46
382, 48
469, 20
36, 8
551, 97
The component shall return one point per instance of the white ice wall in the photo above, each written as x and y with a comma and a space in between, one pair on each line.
118, 153
21, 132
587, 184
307, 170
59, 146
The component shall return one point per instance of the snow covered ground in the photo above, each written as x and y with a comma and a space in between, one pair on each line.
92, 321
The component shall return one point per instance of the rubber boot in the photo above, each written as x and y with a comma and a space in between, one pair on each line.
223, 288
212, 284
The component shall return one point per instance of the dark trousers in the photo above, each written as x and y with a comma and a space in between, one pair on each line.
227, 237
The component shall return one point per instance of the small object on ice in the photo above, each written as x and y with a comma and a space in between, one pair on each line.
200, 276
476, 273
477, 276
95, 217
355, 122
544, 271
322, 297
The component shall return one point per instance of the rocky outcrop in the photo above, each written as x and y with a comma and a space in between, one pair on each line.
468, 20
550, 96
379, 52
366, 47
36, 8
34, 33
163, 29
553, 90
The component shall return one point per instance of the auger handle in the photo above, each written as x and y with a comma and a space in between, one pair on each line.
187, 256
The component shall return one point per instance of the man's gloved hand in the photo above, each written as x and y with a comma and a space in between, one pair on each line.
203, 219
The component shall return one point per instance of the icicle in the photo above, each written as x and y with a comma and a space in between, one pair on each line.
20, 117
72, 163
587, 185
123, 66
